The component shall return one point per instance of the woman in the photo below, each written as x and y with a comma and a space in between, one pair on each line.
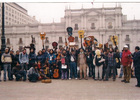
39, 57
32, 58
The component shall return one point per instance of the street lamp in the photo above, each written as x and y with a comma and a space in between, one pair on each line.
3, 45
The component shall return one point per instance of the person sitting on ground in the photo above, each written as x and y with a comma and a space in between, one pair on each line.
19, 73
33, 74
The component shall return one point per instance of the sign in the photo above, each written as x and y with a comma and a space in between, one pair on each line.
69, 30
81, 33
54, 44
71, 39
42, 35
114, 40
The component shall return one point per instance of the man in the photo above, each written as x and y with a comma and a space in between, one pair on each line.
0, 65
24, 60
89, 60
82, 64
111, 65
136, 61
6, 60
44, 55
73, 65
32, 58
18, 72
126, 62
13, 62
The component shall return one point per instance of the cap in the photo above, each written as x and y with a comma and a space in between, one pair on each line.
6, 48
125, 46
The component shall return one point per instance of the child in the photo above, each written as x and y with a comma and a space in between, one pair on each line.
64, 67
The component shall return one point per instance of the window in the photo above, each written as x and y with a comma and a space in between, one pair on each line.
8, 41
76, 39
47, 40
109, 38
20, 41
127, 38
110, 25
76, 27
60, 40
92, 25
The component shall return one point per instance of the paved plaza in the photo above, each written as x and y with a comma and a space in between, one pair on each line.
70, 90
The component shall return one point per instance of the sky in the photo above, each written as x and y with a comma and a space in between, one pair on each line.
47, 12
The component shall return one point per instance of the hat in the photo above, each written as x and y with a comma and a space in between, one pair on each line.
6, 48
125, 46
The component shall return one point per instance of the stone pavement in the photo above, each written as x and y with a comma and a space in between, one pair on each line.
70, 90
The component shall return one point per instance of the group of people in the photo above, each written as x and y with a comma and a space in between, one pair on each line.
70, 63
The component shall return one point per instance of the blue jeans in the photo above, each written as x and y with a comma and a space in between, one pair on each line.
90, 69
7, 66
109, 68
73, 69
24, 66
121, 71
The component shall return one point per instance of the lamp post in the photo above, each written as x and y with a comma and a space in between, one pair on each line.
3, 45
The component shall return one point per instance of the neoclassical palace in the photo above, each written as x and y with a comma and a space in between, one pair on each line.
101, 23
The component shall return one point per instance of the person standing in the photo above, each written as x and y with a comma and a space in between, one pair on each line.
24, 60
136, 61
13, 62
32, 58
73, 65
82, 64
111, 65
126, 62
89, 63
6, 60
0, 65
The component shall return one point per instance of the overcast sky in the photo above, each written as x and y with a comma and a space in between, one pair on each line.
46, 12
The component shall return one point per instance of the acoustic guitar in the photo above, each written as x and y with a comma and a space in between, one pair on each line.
56, 73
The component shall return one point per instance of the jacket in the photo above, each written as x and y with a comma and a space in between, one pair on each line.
6, 58
126, 59
79, 58
23, 58
39, 58
32, 58
136, 60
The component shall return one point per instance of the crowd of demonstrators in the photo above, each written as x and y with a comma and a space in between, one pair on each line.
70, 63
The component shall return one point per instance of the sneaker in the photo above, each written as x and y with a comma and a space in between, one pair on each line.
80, 78
86, 78
127, 82
96, 79
120, 76
69, 78
114, 79
76, 78
137, 85
105, 79
123, 80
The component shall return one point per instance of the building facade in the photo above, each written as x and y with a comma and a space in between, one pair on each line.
101, 23
15, 14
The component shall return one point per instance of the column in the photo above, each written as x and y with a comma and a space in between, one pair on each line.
116, 21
